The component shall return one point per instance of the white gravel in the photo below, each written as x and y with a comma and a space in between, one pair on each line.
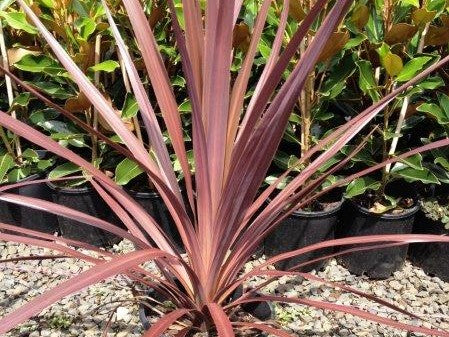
86, 313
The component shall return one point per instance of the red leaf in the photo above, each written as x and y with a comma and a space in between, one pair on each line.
262, 327
164, 323
221, 320
353, 311
95, 274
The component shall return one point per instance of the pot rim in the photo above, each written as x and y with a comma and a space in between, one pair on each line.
318, 214
143, 195
405, 214
69, 190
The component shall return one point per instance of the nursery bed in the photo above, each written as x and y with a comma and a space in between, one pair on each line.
86, 313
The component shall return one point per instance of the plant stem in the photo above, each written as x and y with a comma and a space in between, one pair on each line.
135, 119
95, 112
405, 104
128, 90
9, 89
307, 94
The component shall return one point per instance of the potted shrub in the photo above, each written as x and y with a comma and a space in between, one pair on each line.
385, 203
433, 216
88, 43
129, 174
20, 162
33, 165
308, 123
312, 224
432, 219
222, 234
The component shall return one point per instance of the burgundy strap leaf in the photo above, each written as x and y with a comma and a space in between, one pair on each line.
221, 320
95, 274
147, 112
352, 311
262, 327
47, 244
93, 94
164, 323
70, 213
160, 82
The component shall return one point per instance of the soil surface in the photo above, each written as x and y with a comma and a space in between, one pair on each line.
86, 313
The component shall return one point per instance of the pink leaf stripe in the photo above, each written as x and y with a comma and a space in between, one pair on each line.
221, 320
91, 91
52, 238
275, 274
36, 92
160, 83
262, 327
353, 311
148, 115
95, 274
233, 148
241, 83
69, 213
34, 258
50, 245
164, 323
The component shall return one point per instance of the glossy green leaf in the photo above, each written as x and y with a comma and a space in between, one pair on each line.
47, 3
64, 170
355, 41
360, 186
414, 162
18, 174
30, 154
436, 5
336, 81
86, 27
431, 83
440, 172
54, 90
179, 81
108, 66
443, 162
410, 174
40, 116
434, 111
367, 82
130, 107
125, 171
414, 3
412, 67
443, 99
43, 165
272, 179
40, 64
17, 20
186, 106
6, 163
21, 100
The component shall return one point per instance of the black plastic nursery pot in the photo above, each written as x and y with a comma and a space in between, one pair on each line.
433, 258
378, 263
27, 217
86, 200
153, 203
303, 229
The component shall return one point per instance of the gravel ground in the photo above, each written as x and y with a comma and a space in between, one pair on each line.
87, 313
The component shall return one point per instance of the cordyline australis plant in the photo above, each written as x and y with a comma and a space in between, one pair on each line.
222, 221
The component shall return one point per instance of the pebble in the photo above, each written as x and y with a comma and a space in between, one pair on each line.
86, 313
